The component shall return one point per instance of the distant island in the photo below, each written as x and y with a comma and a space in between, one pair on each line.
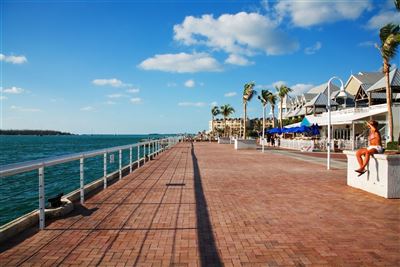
32, 132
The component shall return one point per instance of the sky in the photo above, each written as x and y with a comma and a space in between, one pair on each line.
136, 67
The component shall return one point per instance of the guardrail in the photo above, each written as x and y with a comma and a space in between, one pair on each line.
150, 148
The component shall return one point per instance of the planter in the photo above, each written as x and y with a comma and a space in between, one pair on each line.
245, 144
224, 140
382, 177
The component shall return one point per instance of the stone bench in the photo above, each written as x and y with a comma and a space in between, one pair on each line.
382, 177
224, 140
245, 144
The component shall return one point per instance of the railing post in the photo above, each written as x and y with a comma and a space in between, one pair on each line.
120, 164
82, 181
105, 170
41, 199
130, 159
138, 156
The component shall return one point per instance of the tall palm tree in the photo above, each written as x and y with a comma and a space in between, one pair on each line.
283, 91
226, 111
263, 97
248, 94
271, 98
390, 40
214, 112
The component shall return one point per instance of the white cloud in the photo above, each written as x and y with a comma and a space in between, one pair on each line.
13, 90
191, 104
366, 44
214, 104
23, 109
3, 97
109, 102
278, 84
242, 33
115, 96
136, 100
110, 82
230, 94
382, 18
190, 83
181, 63
13, 59
313, 49
311, 13
301, 88
87, 108
133, 90
238, 60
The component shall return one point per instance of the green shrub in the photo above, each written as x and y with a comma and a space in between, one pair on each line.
392, 146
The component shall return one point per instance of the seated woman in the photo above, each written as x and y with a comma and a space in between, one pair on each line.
375, 147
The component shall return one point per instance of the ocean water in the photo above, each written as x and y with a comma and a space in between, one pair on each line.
19, 193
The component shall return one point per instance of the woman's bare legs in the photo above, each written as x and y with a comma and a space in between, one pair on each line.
363, 163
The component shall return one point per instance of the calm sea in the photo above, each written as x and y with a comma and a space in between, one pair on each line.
19, 193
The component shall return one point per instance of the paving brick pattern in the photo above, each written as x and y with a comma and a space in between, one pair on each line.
236, 208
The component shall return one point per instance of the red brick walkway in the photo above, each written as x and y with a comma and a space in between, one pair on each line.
235, 208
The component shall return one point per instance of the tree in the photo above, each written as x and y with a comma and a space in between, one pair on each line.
214, 112
263, 97
248, 94
226, 111
272, 101
283, 91
390, 40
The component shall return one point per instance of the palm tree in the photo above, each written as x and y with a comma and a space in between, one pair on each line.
271, 98
248, 94
283, 91
214, 112
226, 111
390, 40
263, 97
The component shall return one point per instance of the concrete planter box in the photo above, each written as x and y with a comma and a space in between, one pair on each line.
224, 140
382, 177
245, 144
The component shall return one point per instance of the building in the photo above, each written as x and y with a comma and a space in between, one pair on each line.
234, 126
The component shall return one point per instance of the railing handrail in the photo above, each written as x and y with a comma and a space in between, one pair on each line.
16, 168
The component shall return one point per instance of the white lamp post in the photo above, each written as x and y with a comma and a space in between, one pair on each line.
264, 105
341, 93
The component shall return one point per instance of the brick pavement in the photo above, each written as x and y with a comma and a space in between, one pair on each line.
236, 208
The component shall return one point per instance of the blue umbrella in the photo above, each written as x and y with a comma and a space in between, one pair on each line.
315, 129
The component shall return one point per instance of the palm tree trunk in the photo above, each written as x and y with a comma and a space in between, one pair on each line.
212, 127
273, 115
244, 119
386, 68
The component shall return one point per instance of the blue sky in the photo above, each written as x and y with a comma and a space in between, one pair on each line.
131, 67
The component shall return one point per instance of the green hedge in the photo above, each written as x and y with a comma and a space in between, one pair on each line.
392, 146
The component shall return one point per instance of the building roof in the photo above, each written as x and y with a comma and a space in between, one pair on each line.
321, 100
368, 77
335, 95
394, 81
322, 88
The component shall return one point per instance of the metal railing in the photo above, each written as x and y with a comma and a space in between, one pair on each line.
150, 149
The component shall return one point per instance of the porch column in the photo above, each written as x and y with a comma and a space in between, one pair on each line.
353, 143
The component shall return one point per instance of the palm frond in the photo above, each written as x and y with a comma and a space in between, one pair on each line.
215, 111
248, 91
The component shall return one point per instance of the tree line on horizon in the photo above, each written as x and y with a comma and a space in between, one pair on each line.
32, 132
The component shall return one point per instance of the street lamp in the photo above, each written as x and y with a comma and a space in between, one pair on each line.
264, 105
341, 94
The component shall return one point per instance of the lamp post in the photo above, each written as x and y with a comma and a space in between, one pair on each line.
328, 143
264, 105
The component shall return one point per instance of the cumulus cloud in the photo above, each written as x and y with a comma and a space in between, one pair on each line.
366, 44
109, 102
311, 13
3, 97
238, 60
13, 90
230, 94
190, 83
113, 82
214, 104
133, 90
136, 100
23, 109
181, 63
115, 95
313, 49
301, 88
240, 34
87, 108
382, 18
13, 59
191, 104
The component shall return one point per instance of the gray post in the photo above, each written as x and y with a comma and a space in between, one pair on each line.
41, 199
120, 164
138, 156
130, 159
105, 170
82, 182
